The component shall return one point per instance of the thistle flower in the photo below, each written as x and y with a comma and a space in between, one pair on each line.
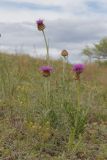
64, 53
40, 25
78, 69
46, 70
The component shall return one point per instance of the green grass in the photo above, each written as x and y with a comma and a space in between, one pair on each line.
34, 126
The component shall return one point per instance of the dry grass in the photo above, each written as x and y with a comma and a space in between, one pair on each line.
32, 130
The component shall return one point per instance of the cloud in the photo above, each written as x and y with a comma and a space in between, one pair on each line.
69, 24
26, 10
73, 37
25, 5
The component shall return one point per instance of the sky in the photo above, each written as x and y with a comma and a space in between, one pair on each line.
70, 25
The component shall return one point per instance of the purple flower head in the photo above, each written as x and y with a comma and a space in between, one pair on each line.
39, 22
78, 68
46, 70
40, 25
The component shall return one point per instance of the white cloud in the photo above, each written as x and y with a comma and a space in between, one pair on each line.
68, 9
76, 23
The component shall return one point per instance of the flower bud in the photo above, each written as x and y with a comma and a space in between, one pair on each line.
46, 70
64, 53
40, 25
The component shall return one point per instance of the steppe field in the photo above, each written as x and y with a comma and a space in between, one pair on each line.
55, 117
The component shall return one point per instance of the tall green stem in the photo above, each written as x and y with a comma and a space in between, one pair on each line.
64, 70
46, 92
49, 91
78, 95
63, 81
78, 105
47, 47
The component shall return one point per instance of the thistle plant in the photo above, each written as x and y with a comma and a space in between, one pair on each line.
78, 69
41, 27
78, 119
46, 72
64, 54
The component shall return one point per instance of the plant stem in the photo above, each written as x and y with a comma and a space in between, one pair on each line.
47, 47
49, 96
63, 82
46, 92
63, 71
78, 105
78, 95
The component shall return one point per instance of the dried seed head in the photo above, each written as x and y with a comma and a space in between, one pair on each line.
64, 53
